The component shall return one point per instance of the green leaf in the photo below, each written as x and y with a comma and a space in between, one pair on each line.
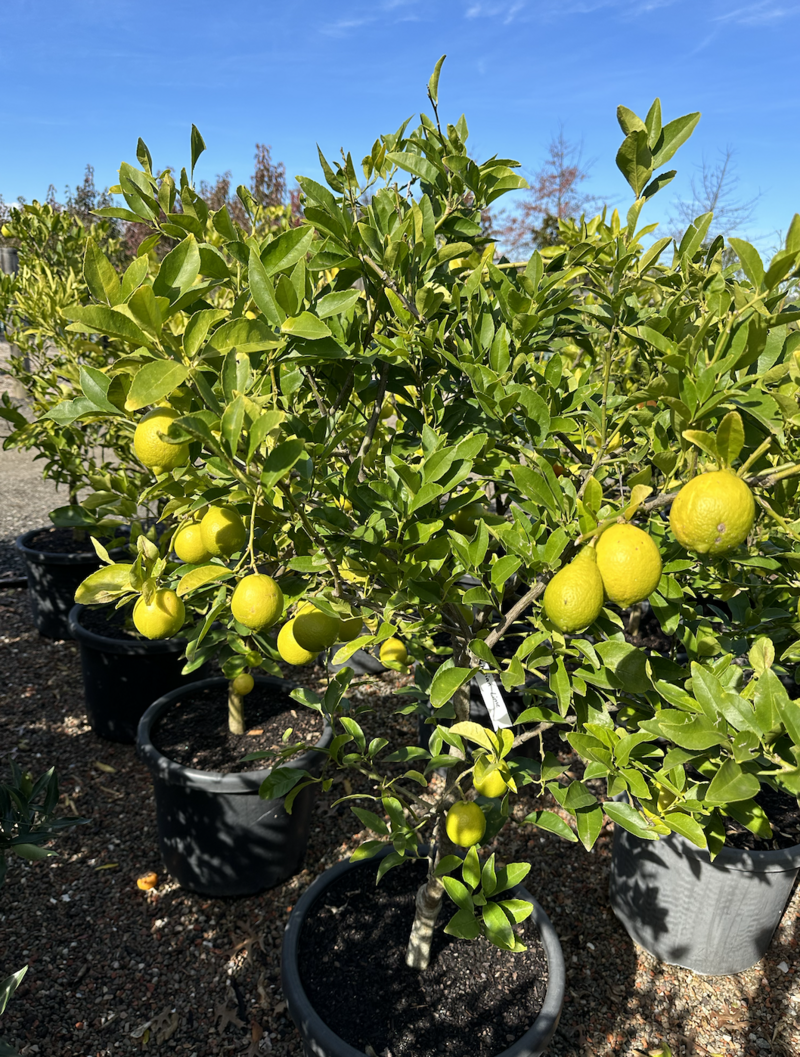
336, 303
201, 576
280, 781
232, 422
179, 270
371, 820
198, 146
463, 925
246, 335
9, 985
475, 732
705, 441
262, 290
447, 681
730, 438
95, 386
105, 585
198, 327
414, 164
280, 461
628, 817
553, 823
458, 893
287, 249
687, 826
635, 161
97, 319
498, 927
629, 122
433, 83
305, 326
673, 135
33, 852
731, 783
750, 260
153, 382
100, 276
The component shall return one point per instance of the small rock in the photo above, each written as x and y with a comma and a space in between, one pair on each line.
784, 967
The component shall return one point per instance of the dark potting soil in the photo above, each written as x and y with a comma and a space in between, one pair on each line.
472, 998
108, 622
195, 732
63, 541
784, 815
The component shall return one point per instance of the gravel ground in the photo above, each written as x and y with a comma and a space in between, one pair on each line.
114, 970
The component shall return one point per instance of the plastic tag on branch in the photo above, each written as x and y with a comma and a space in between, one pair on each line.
493, 699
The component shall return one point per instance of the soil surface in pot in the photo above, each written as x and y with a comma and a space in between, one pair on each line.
784, 815
195, 732
108, 622
473, 998
63, 541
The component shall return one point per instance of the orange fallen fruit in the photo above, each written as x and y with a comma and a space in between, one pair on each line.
147, 881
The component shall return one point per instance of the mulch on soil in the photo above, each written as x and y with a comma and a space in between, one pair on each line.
114, 970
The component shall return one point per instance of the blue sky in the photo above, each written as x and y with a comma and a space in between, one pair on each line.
82, 80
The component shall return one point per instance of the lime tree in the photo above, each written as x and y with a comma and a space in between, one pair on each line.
545, 416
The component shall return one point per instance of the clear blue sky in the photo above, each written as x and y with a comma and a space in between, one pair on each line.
81, 80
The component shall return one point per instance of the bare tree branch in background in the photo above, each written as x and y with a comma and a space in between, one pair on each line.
714, 190
555, 194
267, 184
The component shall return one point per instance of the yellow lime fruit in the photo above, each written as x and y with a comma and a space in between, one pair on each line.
289, 648
243, 684
487, 778
713, 513
349, 629
315, 630
574, 597
222, 530
162, 618
188, 544
465, 823
630, 564
156, 454
257, 602
393, 650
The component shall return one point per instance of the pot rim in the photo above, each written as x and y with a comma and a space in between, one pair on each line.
174, 773
123, 647
770, 860
533, 1041
37, 557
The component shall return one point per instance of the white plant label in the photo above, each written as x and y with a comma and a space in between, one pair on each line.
493, 699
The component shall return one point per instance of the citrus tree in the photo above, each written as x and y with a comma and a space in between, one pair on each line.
369, 429
61, 260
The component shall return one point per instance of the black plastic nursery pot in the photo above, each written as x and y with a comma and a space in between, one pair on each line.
716, 918
122, 677
320, 1041
53, 579
216, 835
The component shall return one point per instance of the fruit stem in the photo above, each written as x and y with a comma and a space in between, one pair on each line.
235, 711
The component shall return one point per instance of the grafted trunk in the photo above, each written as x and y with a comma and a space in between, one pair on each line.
235, 712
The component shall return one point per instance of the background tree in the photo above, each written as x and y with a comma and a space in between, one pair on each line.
714, 189
556, 193
267, 190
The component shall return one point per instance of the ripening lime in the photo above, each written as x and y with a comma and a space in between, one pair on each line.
393, 650
349, 629
487, 778
243, 684
573, 599
289, 649
713, 513
156, 454
465, 823
188, 544
162, 618
257, 602
315, 630
222, 530
629, 563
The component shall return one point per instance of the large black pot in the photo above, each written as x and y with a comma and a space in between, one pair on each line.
320, 1041
53, 579
716, 918
216, 835
123, 677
